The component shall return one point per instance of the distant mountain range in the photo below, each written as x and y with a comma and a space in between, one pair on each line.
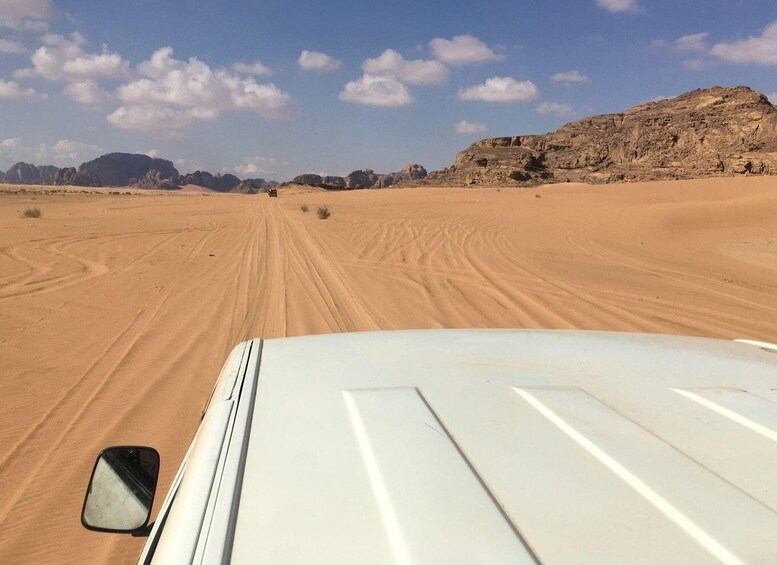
711, 132
365, 178
128, 169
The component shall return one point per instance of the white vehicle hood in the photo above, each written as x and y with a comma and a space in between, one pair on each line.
510, 447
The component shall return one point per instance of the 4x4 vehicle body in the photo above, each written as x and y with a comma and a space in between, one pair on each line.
485, 446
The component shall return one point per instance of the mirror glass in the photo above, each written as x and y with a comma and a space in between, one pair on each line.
122, 489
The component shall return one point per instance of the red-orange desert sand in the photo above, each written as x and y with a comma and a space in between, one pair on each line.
117, 310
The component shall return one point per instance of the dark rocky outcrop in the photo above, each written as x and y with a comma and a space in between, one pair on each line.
333, 182
126, 169
711, 132
413, 172
86, 178
363, 178
122, 169
408, 173
227, 182
63, 176
26, 173
264, 184
156, 179
221, 183
200, 178
248, 186
308, 178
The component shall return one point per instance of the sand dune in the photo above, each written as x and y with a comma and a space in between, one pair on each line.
116, 311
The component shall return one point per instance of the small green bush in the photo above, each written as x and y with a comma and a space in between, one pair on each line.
31, 213
304, 208
323, 213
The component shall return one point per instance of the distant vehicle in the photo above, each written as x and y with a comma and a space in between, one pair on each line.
272, 193
511, 446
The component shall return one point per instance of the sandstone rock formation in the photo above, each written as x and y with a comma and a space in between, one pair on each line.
25, 173
226, 182
334, 182
86, 178
247, 186
363, 178
62, 176
308, 178
717, 131
156, 179
220, 183
200, 178
122, 169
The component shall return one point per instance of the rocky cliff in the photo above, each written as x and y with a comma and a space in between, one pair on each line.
25, 173
122, 169
221, 183
712, 132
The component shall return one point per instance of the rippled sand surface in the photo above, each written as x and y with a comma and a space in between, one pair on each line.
117, 310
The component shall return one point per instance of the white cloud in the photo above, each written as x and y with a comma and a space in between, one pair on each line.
255, 68
34, 25
153, 153
64, 153
22, 13
694, 42
254, 166
411, 72
772, 97
179, 91
759, 49
500, 89
696, 64
377, 90
160, 64
63, 58
628, 6
86, 92
467, 127
11, 90
462, 50
150, 119
555, 108
570, 77
317, 61
186, 166
24, 73
10, 46
106, 65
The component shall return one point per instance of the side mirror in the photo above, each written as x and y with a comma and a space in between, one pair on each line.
121, 490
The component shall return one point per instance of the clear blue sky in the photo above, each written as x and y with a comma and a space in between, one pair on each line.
225, 86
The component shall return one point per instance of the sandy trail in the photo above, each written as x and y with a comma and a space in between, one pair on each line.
117, 311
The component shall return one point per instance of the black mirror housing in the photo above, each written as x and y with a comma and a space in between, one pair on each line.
121, 489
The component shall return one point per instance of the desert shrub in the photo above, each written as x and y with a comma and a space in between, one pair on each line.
537, 196
31, 213
323, 213
304, 208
